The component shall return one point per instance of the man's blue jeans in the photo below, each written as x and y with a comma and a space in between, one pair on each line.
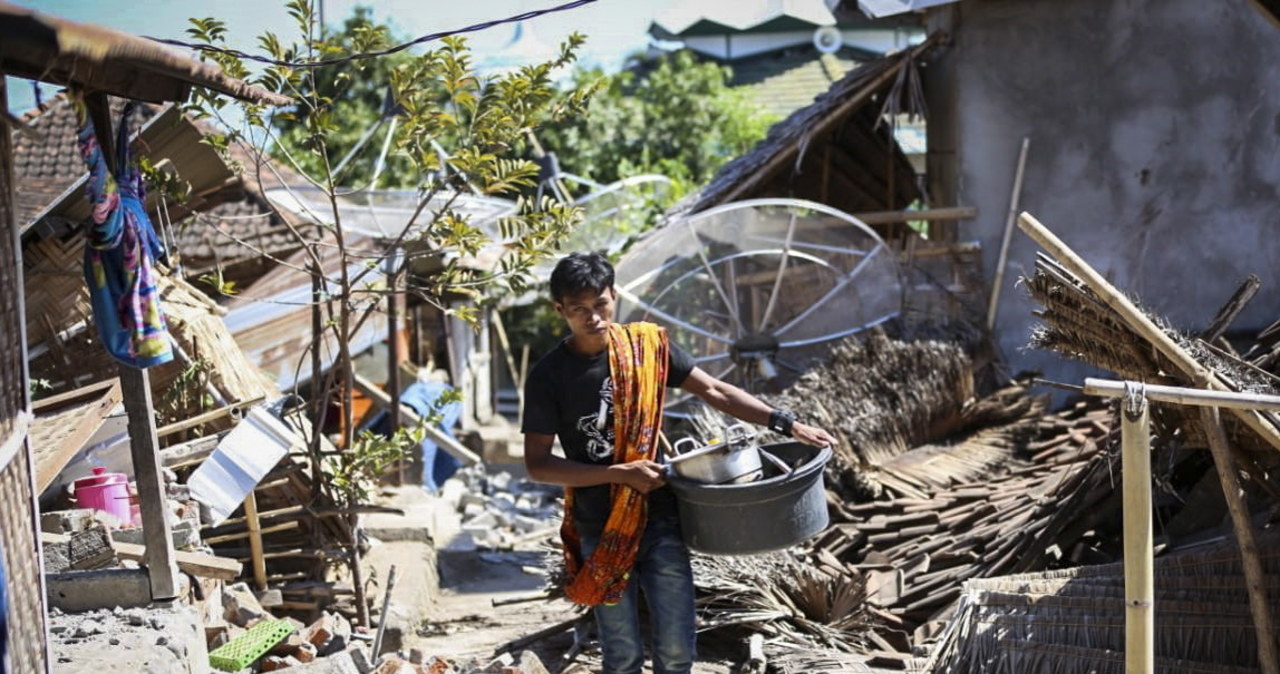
663, 573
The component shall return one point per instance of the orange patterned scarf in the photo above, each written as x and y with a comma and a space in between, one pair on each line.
638, 366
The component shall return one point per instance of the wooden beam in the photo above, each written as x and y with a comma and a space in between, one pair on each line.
194, 563
153, 503
1255, 577
1137, 321
931, 215
447, 443
1270, 9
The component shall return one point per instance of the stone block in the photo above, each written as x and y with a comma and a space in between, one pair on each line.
269, 599
103, 588
239, 606
91, 549
67, 521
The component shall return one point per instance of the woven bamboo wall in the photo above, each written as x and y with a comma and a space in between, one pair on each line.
17, 516
55, 291
22, 565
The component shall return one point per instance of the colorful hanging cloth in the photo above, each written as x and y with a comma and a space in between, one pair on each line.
119, 254
638, 366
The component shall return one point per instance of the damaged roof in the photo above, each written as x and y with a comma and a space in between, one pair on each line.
50, 49
834, 152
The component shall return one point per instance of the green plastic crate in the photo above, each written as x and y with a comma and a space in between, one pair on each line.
245, 649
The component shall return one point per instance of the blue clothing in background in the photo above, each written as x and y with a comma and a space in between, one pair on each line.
421, 397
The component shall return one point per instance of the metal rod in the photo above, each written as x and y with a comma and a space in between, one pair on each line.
1139, 565
1109, 388
777, 281
382, 617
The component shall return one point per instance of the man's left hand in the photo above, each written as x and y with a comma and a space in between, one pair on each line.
812, 435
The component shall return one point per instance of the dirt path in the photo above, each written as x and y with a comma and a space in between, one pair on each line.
464, 621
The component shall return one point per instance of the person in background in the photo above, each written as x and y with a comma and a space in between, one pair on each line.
601, 392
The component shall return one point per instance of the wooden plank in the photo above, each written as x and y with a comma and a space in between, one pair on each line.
447, 443
50, 463
194, 563
162, 569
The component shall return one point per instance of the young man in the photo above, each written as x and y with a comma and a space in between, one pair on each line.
602, 392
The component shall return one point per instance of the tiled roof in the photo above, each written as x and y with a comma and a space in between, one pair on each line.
46, 167
784, 81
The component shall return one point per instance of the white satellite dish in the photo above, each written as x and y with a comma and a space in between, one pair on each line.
827, 39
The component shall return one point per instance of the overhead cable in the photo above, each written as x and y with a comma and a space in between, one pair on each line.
373, 54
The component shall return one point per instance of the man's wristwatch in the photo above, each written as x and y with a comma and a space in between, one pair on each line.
781, 421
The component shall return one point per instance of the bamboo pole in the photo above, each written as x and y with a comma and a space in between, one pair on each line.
1139, 322
931, 215
255, 541
1255, 577
1107, 388
994, 304
1139, 565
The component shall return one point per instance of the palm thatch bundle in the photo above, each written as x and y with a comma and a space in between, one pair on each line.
1072, 620
1079, 325
881, 396
783, 595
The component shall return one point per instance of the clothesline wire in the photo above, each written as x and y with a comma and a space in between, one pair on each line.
373, 54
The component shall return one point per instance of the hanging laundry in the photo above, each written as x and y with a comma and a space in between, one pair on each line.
119, 255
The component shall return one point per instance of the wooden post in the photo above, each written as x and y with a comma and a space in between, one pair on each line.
1139, 565
161, 561
1140, 323
255, 540
1255, 577
994, 305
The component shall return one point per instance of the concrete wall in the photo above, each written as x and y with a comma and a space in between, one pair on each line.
1155, 148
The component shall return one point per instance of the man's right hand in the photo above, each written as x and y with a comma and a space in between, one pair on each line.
643, 475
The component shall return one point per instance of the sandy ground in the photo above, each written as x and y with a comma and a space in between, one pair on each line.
464, 617
455, 614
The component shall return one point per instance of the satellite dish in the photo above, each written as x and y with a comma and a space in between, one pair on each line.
759, 291
827, 39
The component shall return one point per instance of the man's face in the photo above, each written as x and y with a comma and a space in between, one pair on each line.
588, 313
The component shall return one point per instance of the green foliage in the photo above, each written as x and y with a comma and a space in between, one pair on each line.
354, 473
187, 396
680, 119
436, 101
349, 101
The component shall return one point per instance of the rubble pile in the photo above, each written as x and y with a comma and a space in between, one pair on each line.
501, 512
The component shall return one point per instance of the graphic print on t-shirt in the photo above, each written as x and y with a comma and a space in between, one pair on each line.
598, 427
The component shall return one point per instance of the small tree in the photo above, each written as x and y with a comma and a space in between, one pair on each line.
438, 99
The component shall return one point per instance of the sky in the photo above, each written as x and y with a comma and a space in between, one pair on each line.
614, 28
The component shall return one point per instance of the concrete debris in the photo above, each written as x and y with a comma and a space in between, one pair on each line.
499, 511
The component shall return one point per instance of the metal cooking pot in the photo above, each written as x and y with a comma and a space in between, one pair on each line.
736, 460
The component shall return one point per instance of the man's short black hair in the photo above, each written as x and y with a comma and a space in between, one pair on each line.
578, 272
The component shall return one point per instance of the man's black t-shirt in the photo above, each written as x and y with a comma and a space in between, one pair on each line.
571, 396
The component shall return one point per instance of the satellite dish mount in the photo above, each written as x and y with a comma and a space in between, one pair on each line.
827, 39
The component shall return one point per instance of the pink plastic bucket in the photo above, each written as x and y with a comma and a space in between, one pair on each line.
108, 492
